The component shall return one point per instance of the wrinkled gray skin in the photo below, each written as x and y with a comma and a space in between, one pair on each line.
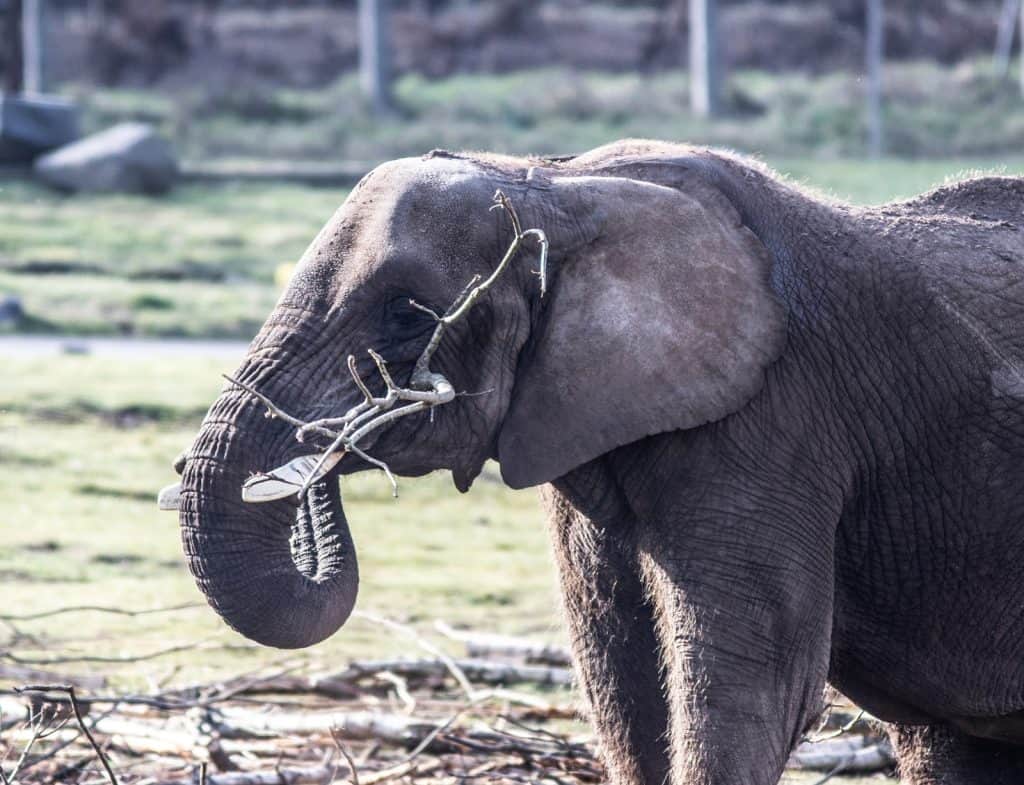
781, 443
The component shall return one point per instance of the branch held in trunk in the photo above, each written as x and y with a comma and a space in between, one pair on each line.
426, 390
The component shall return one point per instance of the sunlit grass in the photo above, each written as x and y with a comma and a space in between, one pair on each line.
931, 110
197, 232
81, 526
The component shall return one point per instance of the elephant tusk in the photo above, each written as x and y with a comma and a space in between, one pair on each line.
289, 479
169, 498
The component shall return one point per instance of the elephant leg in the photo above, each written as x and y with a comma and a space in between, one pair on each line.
941, 755
743, 603
613, 640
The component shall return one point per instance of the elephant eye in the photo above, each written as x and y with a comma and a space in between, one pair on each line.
404, 322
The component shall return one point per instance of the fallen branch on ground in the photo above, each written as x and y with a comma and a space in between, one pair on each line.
63, 659
851, 753
310, 775
481, 671
25, 674
485, 644
240, 733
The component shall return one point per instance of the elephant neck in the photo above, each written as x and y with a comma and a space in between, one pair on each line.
814, 245
789, 222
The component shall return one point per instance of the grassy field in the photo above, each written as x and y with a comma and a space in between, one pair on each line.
201, 261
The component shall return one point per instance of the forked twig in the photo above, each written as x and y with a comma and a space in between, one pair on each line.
427, 389
70, 691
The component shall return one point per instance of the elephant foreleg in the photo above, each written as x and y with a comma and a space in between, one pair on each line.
613, 642
744, 617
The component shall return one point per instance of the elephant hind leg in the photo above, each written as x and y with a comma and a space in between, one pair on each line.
941, 755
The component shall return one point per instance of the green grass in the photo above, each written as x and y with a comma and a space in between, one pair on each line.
80, 526
115, 248
931, 110
198, 233
866, 182
199, 262
94, 305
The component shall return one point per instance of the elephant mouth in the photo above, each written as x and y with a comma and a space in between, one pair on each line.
319, 521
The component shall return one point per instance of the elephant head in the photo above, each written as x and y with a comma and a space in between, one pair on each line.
658, 316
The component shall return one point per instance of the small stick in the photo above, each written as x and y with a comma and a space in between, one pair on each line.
348, 758
457, 673
99, 609
382, 367
320, 464
359, 379
7, 655
13, 776
275, 410
380, 465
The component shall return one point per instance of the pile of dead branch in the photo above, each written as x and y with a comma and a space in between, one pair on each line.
502, 710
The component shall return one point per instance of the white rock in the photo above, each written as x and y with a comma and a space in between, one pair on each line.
128, 157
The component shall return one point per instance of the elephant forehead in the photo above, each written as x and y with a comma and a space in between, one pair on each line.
410, 212
397, 186
423, 208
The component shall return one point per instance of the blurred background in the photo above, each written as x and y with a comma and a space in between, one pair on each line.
163, 164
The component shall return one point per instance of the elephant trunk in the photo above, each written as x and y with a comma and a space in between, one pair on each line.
282, 574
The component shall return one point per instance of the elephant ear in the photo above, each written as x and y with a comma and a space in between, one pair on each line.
662, 318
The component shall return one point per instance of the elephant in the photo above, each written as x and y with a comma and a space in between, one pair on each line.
779, 440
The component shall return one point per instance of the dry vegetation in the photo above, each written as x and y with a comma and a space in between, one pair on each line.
502, 713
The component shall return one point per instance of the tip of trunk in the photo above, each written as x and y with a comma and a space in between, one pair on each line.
282, 575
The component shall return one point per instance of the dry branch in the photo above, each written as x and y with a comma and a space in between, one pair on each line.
485, 645
309, 775
481, 671
26, 674
62, 659
396, 729
406, 769
97, 609
851, 753
427, 389
312, 775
